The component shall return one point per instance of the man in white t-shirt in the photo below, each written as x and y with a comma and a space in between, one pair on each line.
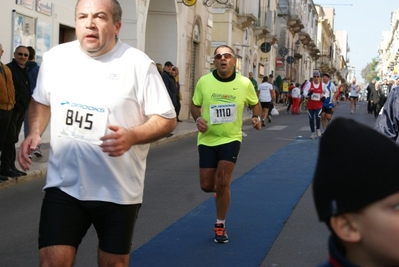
106, 102
267, 96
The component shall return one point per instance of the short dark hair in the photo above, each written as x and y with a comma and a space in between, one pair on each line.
220, 46
32, 53
116, 10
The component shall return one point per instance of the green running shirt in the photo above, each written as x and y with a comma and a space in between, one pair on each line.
222, 105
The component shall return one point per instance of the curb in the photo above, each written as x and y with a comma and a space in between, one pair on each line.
23, 179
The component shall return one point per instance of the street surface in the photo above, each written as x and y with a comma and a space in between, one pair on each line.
177, 213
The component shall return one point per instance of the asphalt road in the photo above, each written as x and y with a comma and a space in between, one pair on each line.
172, 190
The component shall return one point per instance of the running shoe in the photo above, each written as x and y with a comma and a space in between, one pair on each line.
313, 136
263, 123
318, 133
38, 152
220, 234
269, 119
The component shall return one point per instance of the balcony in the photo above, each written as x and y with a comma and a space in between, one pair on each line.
247, 14
264, 25
245, 20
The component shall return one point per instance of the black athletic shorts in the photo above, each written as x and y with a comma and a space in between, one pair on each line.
211, 155
327, 110
266, 105
64, 220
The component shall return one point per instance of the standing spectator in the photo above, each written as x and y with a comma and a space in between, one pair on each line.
159, 68
289, 97
101, 128
266, 96
254, 82
217, 107
385, 88
33, 71
370, 88
375, 98
296, 99
359, 205
22, 97
170, 82
316, 95
7, 101
170, 85
175, 73
285, 89
329, 102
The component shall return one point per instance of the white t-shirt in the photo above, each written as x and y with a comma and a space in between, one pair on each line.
264, 92
295, 93
353, 89
122, 87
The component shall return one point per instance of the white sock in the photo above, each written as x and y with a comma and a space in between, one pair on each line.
221, 221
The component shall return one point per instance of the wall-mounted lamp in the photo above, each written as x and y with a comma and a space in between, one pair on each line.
188, 2
209, 3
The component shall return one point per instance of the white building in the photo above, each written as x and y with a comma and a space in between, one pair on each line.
166, 30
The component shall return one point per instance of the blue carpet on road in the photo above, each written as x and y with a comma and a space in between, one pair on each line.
262, 200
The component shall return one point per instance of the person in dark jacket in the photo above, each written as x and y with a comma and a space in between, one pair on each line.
375, 99
33, 72
170, 84
358, 205
20, 78
370, 88
388, 122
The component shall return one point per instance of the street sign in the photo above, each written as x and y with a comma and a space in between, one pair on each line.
290, 59
265, 47
283, 51
279, 62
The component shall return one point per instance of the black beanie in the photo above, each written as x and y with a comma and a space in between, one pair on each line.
356, 166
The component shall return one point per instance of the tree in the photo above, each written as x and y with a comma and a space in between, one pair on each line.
369, 72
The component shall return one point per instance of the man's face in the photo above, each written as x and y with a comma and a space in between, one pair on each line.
168, 69
224, 62
325, 79
250, 75
95, 28
378, 225
21, 55
316, 78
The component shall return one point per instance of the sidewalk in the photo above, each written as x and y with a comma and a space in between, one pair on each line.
39, 164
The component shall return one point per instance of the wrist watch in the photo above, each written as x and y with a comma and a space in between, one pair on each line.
256, 116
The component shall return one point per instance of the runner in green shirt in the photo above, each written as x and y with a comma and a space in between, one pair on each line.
217, 107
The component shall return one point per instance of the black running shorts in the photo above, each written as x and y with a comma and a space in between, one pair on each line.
211, 155
64, 220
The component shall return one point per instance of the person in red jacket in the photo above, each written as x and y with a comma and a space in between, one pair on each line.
316, 93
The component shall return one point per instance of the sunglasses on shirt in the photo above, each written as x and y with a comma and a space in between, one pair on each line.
225, 55
22, 54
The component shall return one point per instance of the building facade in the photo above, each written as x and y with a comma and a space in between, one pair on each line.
388, 66
278, 37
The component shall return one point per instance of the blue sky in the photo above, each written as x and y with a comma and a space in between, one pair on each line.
364, 20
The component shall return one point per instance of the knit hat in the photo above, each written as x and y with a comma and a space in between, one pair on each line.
356, 166
316, 73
